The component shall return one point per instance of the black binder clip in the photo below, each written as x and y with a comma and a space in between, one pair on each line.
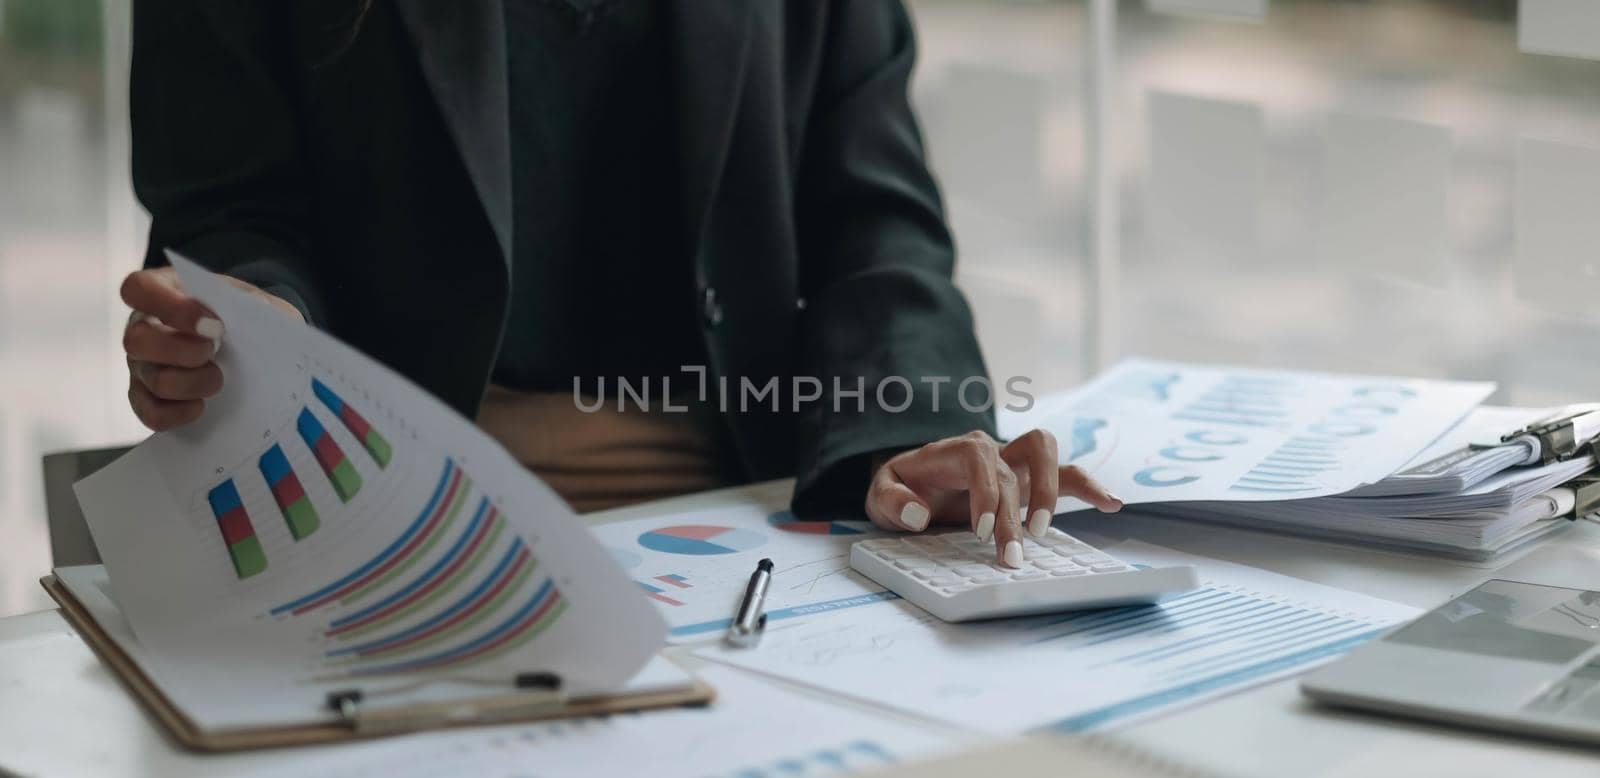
1586, 496
1565, 435
538, 694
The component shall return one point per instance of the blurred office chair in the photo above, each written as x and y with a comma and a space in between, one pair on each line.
70, 543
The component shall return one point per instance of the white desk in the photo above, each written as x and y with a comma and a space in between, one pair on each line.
61, 713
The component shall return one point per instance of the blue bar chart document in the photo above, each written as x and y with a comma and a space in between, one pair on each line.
328, 524
1084, 670
1166, 431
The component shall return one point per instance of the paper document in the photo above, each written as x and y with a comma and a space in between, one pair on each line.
753, 729
1165, 431
1451, 464
1499, 492
1476, 537
695, 566
1082, 670
328, 525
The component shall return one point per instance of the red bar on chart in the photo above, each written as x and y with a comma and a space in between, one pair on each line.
237, 532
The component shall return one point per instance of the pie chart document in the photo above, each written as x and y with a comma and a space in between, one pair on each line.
694, 566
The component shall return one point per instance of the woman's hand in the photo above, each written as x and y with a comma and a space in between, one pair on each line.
974, 480
171, 340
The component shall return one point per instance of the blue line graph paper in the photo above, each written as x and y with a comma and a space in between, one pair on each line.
1208, 639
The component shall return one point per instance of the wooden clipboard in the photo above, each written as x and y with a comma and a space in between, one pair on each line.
184, 731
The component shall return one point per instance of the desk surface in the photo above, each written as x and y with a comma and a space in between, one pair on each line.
63, 714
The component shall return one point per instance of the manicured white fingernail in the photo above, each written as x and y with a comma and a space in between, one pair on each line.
1117, 499
1039, 523
914, 516
985, 526
208, 327
1013, 555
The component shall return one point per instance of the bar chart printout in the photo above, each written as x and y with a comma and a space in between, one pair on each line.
409, 568
244, 549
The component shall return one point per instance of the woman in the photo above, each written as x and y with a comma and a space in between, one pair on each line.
502, 199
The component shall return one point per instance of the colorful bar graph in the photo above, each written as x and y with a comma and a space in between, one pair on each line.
237, 532
290, 495
673, 579
374, 443
658, 594
346, 481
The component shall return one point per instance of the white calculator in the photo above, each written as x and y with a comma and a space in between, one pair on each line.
955, 576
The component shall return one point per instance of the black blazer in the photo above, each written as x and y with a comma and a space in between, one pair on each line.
361, 172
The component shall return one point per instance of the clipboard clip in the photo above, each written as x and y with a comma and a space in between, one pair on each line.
537, 693
1573, 431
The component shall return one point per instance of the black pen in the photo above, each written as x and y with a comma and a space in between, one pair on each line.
750, 620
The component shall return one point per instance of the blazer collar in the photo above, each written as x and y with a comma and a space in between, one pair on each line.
462, 47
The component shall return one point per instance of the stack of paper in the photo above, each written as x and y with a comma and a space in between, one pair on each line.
1452, 499
1475, 536
1381, 460
1453, 464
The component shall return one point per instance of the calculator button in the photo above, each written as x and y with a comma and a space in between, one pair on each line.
970, 569
1052, 563
1089, 559
914, 563
1068, 571
1027, 575
1107, 567
944, 580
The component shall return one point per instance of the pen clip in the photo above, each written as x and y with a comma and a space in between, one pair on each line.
750, 620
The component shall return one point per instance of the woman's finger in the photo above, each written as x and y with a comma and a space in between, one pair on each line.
146, 340
979, 459
1035, 453
1008, 518
158, 414
1078, 484
178, 383
155, 292
893, 505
